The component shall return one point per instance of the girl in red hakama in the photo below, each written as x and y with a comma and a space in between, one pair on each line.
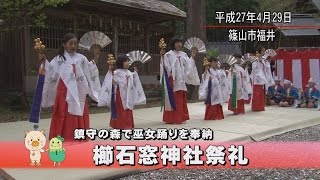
124, 118
249, 87
241, 86
258, 98
67, 83
247, 101
181, 113
248, 66
259, 82
63, 123
177, 69
120, 91
210, 90
240, 107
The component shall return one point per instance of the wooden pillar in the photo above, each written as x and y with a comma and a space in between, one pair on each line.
148, 46
174, 27
147, 36
26, 54
75, 19
25, 57
75, 26
116, 37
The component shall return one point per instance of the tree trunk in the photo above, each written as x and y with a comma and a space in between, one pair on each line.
195, 22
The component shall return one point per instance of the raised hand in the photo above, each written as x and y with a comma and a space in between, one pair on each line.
162, 52
111, 66
193, 53
42, 57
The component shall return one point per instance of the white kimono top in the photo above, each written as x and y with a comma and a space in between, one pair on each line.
258, 73
225, 85
128, 82
247, 80
242, 89
268, 74
216, 93
76, 75
182, 69
94, 73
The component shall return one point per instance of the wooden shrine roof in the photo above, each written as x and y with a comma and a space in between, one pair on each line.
145, 11
301, 25
151, 5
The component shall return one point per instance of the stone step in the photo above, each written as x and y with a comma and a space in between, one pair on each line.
153, 99
152, 93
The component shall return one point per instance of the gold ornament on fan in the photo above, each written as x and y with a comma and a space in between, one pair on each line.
162, 44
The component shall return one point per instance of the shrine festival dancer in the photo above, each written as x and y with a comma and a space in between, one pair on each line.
67, 82
239, 91
224, 83
310, 97
275, 92
94, 71
290, 94
268, 71
121, 91
177, 69
247, 80
210, 91
259, 81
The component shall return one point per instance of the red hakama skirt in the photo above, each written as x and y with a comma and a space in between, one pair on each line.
181, 114
62, 122
258, 98
239, 109
124, 117
214, 112
247, 101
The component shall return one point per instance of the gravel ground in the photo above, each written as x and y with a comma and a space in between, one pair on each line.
306, 134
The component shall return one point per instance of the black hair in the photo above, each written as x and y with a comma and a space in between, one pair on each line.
173, 42
248, 65
237, 56
225, 66
259, 48
65, 39
273, 66
211, 59
120, 61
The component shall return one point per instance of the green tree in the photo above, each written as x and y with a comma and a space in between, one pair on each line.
14, 13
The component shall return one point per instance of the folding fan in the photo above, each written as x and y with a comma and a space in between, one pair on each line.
248, 57
226, 58
140, 56
270, 52
94, 38
195, 43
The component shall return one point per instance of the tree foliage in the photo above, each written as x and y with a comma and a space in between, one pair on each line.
14, 13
